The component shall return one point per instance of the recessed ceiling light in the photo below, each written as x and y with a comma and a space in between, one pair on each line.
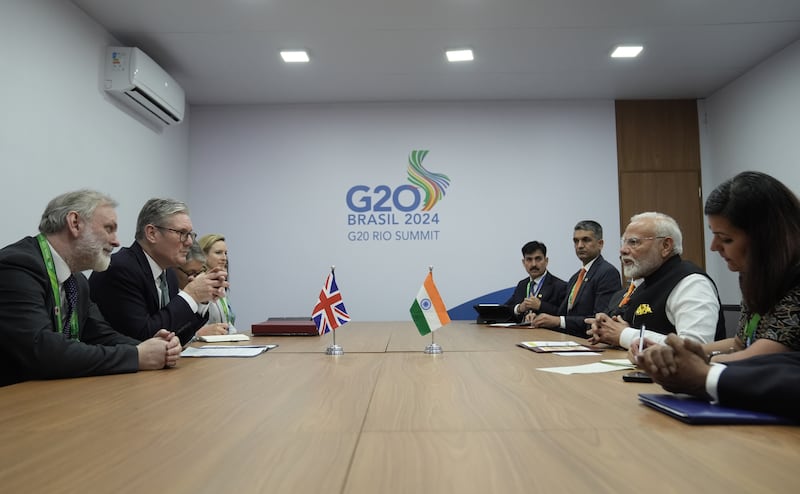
295, 56
627, 51
459, 55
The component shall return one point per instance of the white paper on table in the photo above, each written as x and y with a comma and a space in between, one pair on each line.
593, 368
226, 351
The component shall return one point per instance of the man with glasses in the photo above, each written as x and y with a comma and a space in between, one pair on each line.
139, 293
674, 296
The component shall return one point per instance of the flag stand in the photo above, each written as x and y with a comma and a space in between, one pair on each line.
434, 348
334, 349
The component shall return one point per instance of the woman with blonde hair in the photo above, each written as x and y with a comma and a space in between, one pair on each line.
216, 252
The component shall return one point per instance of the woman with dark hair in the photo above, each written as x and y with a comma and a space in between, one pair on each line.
755, 220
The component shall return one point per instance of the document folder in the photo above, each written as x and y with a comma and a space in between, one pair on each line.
696, 411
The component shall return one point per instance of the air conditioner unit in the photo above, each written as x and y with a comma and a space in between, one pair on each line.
137, 80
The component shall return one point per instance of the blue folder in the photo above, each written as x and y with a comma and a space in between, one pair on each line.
696, 411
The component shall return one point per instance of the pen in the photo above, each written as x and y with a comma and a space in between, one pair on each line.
641, 338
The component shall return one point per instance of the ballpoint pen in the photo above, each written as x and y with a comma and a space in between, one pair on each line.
641, 339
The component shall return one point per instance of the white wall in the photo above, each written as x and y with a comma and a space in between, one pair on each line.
274, 181
60, 132
752, 124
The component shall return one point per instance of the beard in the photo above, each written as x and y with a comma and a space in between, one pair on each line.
639, 268
90, 253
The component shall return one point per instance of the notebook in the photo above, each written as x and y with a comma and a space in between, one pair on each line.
697, 411
494, 313
285, 326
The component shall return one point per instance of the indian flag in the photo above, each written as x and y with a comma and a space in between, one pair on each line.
428, 310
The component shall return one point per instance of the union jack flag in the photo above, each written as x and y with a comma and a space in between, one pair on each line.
329, 313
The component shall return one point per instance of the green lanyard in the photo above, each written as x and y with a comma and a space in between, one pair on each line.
536, 287
751, 328
51, 272
224, 304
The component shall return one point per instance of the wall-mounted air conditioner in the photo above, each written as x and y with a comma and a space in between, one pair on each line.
138, 81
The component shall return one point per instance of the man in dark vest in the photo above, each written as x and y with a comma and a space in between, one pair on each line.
674, 296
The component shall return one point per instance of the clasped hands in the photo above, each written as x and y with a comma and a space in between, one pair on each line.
209, 286
605, 329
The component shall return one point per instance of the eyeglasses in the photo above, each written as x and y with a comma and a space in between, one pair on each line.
635, 242
183, 235
194, 272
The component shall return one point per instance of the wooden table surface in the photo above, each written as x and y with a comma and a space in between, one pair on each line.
382, 418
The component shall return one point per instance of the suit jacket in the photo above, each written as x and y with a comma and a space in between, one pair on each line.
768, 383
599, 284
551, 294
32, 347
127, 296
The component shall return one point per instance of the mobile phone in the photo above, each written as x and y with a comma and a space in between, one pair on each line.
637, 377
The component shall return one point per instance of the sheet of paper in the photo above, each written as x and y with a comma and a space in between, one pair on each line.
575, 354
593, 368
622, 362
226, 351
503, 324
218, 338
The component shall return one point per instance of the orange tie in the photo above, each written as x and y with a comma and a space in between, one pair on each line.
576, 287
627, 296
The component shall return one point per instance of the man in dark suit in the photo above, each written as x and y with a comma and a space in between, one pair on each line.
767, 383
139, 294
540, 292
49, 326
590, 289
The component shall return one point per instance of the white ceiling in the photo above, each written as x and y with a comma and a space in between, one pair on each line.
226, 51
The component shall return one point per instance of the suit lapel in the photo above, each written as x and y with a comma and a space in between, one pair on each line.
150, 285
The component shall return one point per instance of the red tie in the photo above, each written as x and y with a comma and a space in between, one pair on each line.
576, 287
627, 296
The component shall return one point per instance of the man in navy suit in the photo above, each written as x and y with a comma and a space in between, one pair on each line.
49, 327
540, 292
590, 289
139, 294
767, 383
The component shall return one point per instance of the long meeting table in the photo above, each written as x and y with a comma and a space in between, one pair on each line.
382, 418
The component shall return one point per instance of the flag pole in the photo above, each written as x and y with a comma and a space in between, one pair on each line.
434, 348
334, 349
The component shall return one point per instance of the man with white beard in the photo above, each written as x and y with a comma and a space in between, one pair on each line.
674, 296
49, 326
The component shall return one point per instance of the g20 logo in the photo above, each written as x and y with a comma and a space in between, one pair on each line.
405, 198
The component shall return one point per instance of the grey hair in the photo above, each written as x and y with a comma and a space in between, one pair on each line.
196, 253
591, 226
84, 202
155, 211
665, 226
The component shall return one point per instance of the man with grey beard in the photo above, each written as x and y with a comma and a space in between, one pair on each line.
49, 326
675, 296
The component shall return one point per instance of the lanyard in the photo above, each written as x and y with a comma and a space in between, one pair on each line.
51, 272
537, 287
224, 303
751, 328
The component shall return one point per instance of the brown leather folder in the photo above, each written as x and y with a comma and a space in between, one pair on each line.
285, 326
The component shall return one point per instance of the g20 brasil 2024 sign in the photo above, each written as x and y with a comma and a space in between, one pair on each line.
405, 212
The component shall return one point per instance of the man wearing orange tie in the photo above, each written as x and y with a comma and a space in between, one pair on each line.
674, 296
590, 289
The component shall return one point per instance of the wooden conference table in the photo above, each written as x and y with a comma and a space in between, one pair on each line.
382, 418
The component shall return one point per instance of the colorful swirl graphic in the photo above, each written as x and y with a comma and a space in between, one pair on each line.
434, 184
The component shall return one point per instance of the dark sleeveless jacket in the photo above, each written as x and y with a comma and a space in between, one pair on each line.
654, 292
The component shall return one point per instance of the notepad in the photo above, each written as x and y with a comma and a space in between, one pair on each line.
696, 411
555, 346
218, 338
226, 351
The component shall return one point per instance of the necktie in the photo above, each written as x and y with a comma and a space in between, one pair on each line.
627, 296
575, 288
162, 283
71, 296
